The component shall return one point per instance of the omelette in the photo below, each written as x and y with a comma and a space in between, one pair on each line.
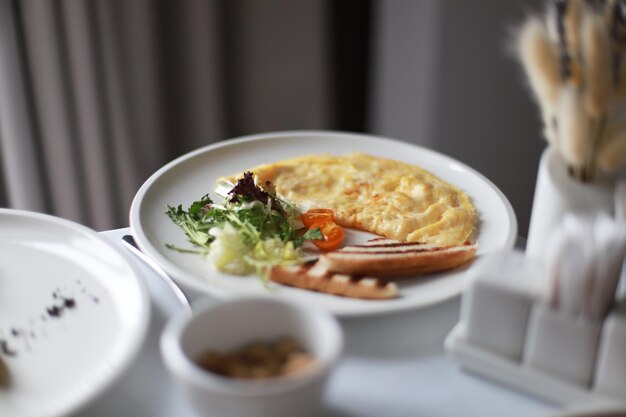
386, 197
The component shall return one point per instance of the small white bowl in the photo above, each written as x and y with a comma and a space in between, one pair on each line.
230, 324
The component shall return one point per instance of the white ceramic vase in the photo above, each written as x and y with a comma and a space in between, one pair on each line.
557, 194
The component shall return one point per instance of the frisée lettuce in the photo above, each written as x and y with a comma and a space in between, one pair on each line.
251, 229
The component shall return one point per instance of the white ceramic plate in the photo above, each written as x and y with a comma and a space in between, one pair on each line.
73, 314
189, 177
135, 394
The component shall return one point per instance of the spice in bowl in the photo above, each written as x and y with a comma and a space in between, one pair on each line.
259, 360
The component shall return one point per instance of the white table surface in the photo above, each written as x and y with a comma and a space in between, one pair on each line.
393, 365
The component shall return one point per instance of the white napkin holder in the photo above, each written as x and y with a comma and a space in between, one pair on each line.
611, 363
561, 345
508, 334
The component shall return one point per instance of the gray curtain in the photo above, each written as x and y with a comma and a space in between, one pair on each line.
97, 95
445, 79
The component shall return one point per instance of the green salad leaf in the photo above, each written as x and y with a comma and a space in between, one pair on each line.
250, 230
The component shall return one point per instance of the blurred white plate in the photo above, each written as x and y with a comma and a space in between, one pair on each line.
189, 177
146, 388
73, 314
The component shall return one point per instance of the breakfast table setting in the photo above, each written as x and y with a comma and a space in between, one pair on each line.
400, 356
343, 274
392, 365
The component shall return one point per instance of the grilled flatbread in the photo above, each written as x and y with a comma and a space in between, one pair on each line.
390, 258
314, 276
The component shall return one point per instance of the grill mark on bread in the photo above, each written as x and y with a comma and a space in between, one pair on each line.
389, 243
385, 258
387, 246
374, 250
315, 276
416, 248
355, 251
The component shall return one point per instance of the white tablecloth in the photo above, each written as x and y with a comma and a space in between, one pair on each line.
393, 366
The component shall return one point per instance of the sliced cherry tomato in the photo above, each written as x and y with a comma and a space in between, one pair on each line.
317, 215
333, 235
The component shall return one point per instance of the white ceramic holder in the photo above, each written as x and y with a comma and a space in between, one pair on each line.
561, 345
507, 333
557, 194
492, 290
610, 378
503, 333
